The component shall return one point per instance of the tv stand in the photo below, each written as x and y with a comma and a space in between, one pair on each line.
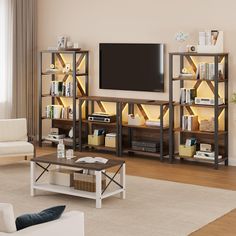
125, 133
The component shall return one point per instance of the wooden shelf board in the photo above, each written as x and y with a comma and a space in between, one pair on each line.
199, 105
220, 132
195, 80
99, 147
201, 160
144, 126
125, 100
65, 51
99, 123
61, 73
155, 154
198, 54
57, 96
60, 119
67, 143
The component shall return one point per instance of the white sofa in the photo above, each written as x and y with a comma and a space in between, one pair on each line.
14, 139
70, 223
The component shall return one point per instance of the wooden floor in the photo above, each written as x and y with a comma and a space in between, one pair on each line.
203, 175
224, 226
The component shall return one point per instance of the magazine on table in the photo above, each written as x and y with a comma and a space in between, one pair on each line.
92, 160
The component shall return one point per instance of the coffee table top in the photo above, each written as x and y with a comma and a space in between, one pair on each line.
52, 159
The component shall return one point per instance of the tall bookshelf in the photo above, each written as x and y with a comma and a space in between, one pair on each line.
78, 75
218, 138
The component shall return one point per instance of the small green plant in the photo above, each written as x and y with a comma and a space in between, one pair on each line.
233, 98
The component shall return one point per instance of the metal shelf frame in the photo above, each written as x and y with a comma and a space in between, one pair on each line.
217, 108
77, 58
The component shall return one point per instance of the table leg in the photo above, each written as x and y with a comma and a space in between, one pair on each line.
32, 178
122, 181
98, 175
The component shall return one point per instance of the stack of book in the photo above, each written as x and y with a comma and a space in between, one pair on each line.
187, 95
58, 88
60, 112
190, 122
206, 71
53, 111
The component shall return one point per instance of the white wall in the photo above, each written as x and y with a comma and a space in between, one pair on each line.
90, 22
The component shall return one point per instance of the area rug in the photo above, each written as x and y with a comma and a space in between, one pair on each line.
152, 207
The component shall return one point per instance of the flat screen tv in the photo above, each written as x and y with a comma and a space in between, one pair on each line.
135, 67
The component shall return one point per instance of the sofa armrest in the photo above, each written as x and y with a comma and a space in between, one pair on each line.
70, 223
33, 141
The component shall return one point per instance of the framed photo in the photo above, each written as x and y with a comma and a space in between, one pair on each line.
61, 42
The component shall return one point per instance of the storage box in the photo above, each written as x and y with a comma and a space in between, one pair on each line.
87, 182
204, 147
135, 120
95, 139
63, 177
186, 151
146, 146
207, 125
110, 141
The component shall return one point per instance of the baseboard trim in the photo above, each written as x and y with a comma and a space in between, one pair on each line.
232, 161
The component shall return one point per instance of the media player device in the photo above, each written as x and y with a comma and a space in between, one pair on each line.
208, 101
102, 117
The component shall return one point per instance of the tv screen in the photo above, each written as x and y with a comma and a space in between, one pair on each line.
136, 67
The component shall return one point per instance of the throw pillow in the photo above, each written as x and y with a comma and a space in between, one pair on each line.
7, 219
46, 215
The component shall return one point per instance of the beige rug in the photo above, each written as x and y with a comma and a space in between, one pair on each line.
152, 207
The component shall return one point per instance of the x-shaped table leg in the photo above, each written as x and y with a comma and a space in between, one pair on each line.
112, 179
44, 170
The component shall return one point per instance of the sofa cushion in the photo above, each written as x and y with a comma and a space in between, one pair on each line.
16, 148
7, 219
47, 215
13, 130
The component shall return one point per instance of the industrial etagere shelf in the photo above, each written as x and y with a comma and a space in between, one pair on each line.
78, 56
119, 125
161, 130
213, 137
90, 104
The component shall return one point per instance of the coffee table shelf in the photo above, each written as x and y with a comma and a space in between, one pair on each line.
98, 168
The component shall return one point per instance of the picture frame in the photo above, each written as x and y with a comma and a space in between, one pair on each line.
61, 42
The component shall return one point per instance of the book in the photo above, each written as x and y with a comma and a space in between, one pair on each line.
186, 75
187, 95
190, 122
190, 95
92, 160
182, 95
190, 142
206, 71
111, 135
206, 158
53, 111
184, 122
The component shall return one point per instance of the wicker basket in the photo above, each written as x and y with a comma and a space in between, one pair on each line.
87, 182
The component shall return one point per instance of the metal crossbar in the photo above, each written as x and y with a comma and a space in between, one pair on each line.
112, 179
44, 170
